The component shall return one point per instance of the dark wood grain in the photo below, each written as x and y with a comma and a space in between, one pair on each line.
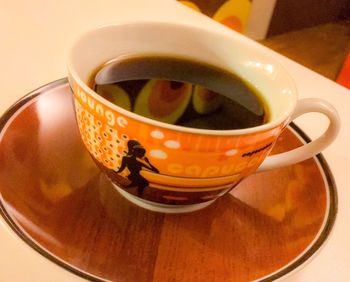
51, 190
322, 48
295, 15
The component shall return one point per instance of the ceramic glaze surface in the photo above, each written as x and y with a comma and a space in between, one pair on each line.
58, 201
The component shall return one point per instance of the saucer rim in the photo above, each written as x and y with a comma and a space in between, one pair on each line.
294, 265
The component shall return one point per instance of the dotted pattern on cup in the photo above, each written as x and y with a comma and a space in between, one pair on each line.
105, 143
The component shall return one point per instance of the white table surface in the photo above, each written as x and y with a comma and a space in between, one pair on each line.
34, 40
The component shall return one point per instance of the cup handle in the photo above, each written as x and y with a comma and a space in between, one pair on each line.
314, 147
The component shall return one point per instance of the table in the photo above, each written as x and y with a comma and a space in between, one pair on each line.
327, 59
36, 36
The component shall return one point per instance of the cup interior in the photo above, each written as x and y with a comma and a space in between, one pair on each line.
233, 52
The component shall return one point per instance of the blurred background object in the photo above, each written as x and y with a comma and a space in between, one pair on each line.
245, 16
344, 74
314, 33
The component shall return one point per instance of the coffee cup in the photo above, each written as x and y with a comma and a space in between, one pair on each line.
174, 169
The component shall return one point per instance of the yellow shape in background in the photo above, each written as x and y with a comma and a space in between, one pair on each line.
234, 14
191, 5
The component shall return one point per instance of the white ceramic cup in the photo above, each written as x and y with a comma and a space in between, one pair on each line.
189, 171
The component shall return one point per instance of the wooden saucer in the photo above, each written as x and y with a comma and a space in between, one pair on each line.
57, 201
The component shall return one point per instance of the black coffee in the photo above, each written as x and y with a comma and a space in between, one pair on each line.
184, 92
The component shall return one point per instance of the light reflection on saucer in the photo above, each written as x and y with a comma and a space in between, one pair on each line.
58, 202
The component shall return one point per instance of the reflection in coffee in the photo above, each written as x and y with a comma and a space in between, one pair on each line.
184, 92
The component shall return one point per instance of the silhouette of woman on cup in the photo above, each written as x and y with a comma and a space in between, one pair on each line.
132, 161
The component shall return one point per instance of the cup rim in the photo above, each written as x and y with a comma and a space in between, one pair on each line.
213, 132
